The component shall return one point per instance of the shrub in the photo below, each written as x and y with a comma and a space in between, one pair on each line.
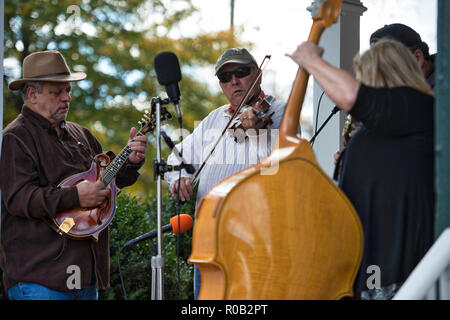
133, 218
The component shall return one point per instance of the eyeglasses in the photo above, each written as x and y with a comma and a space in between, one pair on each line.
240, 72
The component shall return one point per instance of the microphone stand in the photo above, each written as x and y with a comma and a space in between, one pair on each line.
159, 168
157, 292
333, 112
183, 164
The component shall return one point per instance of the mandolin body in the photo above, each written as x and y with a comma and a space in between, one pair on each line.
83, 223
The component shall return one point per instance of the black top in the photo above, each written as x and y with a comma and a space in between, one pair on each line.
388, 173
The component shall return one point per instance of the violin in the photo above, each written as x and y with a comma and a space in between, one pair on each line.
235, 118
262, 114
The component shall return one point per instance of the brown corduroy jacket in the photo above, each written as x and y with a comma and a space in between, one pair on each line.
30, 250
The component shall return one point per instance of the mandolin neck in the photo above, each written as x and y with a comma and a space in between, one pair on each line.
115, 165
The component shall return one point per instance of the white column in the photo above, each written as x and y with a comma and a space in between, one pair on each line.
341, 43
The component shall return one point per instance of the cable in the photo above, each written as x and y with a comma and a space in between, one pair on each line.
154, 252
178, 236
317, 113
333, 112
317, 119
179, 223
120, 275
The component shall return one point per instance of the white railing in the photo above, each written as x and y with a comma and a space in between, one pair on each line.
434, 266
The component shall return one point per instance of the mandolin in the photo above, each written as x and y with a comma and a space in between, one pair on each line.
83, 223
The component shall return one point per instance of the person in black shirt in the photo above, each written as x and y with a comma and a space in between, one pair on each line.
388, 166
412, 40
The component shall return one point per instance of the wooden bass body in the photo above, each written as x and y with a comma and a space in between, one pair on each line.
292, 241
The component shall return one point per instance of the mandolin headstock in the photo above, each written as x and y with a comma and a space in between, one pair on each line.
148, 121
325, 12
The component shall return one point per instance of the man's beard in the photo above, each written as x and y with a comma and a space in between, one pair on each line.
56, 116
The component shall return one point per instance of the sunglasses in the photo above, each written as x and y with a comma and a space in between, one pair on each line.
240, 72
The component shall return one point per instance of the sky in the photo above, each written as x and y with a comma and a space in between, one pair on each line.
277, 27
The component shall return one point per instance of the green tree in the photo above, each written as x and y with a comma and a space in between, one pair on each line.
115, 43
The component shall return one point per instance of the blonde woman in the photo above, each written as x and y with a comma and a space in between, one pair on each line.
388, 166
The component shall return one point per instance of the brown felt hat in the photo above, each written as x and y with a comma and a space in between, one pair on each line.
45, 66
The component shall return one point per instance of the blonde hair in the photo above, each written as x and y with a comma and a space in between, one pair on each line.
390, 64
387, 64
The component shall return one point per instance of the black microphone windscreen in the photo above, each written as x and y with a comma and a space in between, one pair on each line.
167, 68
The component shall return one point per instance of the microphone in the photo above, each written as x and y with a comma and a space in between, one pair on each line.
185, 224
168, 72
333, 112
188, 167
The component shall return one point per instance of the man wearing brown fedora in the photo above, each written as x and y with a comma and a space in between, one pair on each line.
39, 150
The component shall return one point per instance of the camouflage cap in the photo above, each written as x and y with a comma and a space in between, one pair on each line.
235, 55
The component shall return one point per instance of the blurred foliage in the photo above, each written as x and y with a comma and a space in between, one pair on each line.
115, 43
135, 217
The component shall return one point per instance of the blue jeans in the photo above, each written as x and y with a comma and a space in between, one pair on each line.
197, 282
34, 291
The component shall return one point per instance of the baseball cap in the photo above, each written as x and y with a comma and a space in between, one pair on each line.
400, 32
235, 55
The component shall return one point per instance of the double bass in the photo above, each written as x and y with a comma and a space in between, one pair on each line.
280, 229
